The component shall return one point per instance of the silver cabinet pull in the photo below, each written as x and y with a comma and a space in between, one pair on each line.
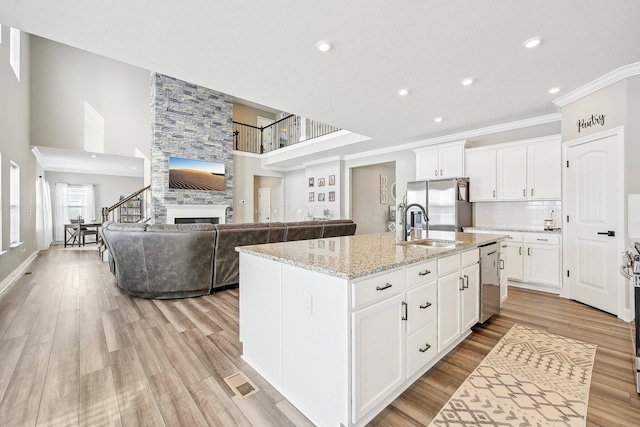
466, 279
494, 194
426, 347
520, 250
436, 172
441, 174
427, 305
524, 192
461, 283
387, 286
424, 273
532, 192
543, 240
528, 251
406, 310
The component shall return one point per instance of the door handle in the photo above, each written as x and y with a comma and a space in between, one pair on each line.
382, 288
520, 250
532, 192
524, 193
528, 251
461, 279
466, 279
426, 305
424, 273
494, 194
608, 233
426, 347
406, 310
441, 174
436, 172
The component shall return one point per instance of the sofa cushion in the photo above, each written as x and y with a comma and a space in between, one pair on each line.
227, 260
303, 230
336, 229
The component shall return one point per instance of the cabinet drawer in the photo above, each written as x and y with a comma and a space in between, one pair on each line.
542, 238
421, 306
448, 264
421, 348
470, 257
377, 287
515, 237
422, 272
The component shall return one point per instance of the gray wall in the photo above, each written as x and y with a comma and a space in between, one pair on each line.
192, 122
14, 146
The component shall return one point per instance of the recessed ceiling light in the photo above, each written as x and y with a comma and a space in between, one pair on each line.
93, 156
323, 45
532, 42
133, 167
403, 92
467, 81
437, 119
554, 90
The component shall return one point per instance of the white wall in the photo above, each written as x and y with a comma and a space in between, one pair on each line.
14, 146
247, 167
296, 196
65, 78
276, 190
366, 209
107, 188
324, 171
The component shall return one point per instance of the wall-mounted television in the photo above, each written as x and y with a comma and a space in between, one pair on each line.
189, 174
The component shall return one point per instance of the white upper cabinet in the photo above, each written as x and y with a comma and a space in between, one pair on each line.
544, 171
526, 170
481, 170
444, 161
512, 173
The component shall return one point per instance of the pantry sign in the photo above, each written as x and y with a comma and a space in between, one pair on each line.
594, 120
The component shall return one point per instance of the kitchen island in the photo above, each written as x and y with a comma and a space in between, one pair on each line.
341, 326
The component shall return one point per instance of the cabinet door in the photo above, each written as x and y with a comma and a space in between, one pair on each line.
470, 296
427, 164
378, 353
516, 259
544, 170
481, 169
451, 161
542, 264
449, 290
503, 272
512, 173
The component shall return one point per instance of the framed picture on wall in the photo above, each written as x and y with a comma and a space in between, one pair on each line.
320, 182
310, 182
321, 197
311, 196
332, 180
332, 196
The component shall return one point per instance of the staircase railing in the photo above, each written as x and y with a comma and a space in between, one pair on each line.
282, 133
133, 208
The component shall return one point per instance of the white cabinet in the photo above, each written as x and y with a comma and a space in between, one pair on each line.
542, 259
504, 281
481, 170
378, 350
525, 170
458, 293
544, 171
512, 173
446, 161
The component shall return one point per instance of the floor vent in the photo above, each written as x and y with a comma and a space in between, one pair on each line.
241, 385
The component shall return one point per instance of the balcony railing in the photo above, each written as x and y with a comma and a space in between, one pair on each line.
283, 133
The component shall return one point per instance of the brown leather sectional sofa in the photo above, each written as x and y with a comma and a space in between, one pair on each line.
184, 260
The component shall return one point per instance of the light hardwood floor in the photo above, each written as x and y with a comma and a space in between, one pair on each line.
75, 351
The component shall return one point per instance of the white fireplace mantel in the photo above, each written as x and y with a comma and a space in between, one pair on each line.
196, 211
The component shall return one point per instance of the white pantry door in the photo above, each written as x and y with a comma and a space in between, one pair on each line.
594, 227
264, 204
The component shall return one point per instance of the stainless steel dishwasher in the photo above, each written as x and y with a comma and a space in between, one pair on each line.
489, 281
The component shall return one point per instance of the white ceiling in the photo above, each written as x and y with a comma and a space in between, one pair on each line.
264, 52
59, 160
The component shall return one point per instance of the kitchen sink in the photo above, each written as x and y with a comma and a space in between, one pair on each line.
442, 244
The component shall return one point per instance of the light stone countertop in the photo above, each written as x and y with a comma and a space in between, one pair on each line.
515, 229
350, 257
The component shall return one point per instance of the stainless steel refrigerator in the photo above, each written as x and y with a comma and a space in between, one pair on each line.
446, 202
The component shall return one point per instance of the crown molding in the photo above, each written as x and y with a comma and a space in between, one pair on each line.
519, 124
599, 83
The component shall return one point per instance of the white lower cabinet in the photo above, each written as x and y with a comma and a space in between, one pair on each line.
515, 264
504, 288
542, 264
458, 293
378, 348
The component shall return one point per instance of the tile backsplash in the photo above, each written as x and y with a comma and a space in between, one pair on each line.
530, 214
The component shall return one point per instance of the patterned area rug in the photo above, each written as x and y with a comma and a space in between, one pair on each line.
530, 378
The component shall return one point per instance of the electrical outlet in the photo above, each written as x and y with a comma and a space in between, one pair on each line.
308, 303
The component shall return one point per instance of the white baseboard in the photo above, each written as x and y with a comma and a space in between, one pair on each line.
10, 279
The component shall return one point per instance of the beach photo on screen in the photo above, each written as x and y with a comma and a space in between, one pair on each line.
189, 174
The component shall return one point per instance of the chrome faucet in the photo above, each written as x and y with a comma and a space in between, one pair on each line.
407, 229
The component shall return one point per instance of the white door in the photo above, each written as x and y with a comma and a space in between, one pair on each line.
449, 300
470, 296
594, 224
264, 204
